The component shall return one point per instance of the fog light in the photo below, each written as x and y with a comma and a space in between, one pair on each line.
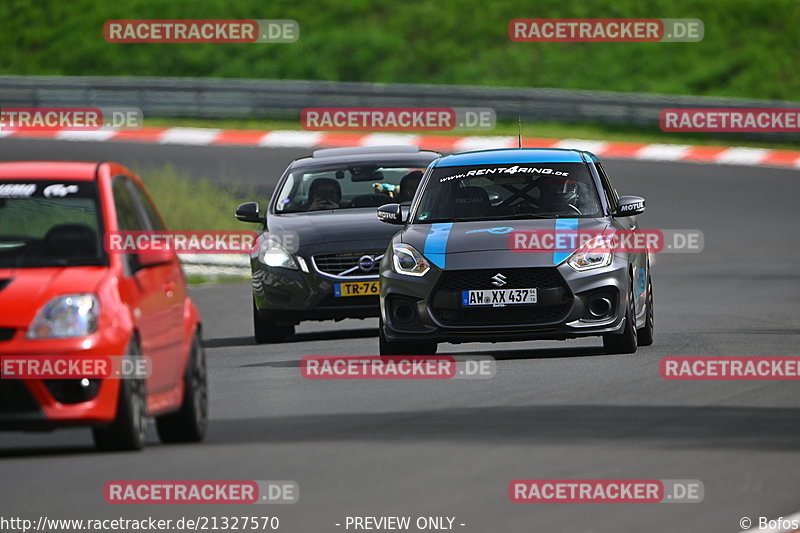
404, 313
599, 307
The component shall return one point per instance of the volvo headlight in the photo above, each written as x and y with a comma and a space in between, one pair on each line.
71, 315
273, 254
407, 260
594, 254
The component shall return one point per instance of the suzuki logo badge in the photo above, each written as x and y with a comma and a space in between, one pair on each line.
498, 280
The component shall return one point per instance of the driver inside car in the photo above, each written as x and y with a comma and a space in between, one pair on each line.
558, 194
324, 193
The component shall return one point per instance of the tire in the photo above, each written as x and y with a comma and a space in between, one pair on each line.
388, 347
267, 331
626, 342
189, 423
645, 334
129, 428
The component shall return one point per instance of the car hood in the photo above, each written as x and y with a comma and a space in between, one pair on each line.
348, 225
23, 291
453, 244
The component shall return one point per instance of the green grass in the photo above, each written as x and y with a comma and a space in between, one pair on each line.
550, 130
750, 47
195, 205
197, 279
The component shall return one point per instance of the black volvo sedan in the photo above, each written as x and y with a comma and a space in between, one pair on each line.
320, 244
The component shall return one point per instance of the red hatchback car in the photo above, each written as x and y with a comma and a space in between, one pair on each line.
62, 294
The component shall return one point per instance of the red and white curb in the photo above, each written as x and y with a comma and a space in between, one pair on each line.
725, 155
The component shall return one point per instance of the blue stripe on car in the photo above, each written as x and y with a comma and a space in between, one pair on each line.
436, 243
564, 224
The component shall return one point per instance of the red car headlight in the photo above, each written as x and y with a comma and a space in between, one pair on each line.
70, 315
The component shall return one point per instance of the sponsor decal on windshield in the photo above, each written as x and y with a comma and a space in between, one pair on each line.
60, 190
516, 169
17, 190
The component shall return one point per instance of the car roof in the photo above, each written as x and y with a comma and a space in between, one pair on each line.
47, 170
367, 154
516, 155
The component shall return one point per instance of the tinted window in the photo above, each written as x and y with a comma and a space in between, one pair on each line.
611, 194
345, 186
128, 217
495, 192
46, 223
150, 212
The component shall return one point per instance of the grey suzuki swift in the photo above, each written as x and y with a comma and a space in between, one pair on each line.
454, 273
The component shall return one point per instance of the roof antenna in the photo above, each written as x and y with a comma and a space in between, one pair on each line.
519, 123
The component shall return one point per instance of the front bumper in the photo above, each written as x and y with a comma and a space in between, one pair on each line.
290, 296
563, 311
31, 404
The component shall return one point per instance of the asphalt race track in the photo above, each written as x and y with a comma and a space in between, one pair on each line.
559, 410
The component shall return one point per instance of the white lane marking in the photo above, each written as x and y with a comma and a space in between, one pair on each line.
379, 139
581, 144
466, 144
662, 152
101, 135
743, 156
194, 136
289, 138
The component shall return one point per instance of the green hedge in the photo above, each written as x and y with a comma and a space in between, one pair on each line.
751, 47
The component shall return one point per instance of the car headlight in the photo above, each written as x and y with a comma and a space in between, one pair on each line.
71, 315
273, 254
594, 254
406, 260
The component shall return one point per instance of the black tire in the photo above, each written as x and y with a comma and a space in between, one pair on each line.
267, 331
625, 342
129, 428
645, 334
189, 423
405, 347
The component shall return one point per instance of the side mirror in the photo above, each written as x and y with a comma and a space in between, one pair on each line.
391, 214
248, 212
628, 206
153, 258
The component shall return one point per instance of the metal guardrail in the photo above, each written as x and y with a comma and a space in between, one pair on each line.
216, 265
284, 99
